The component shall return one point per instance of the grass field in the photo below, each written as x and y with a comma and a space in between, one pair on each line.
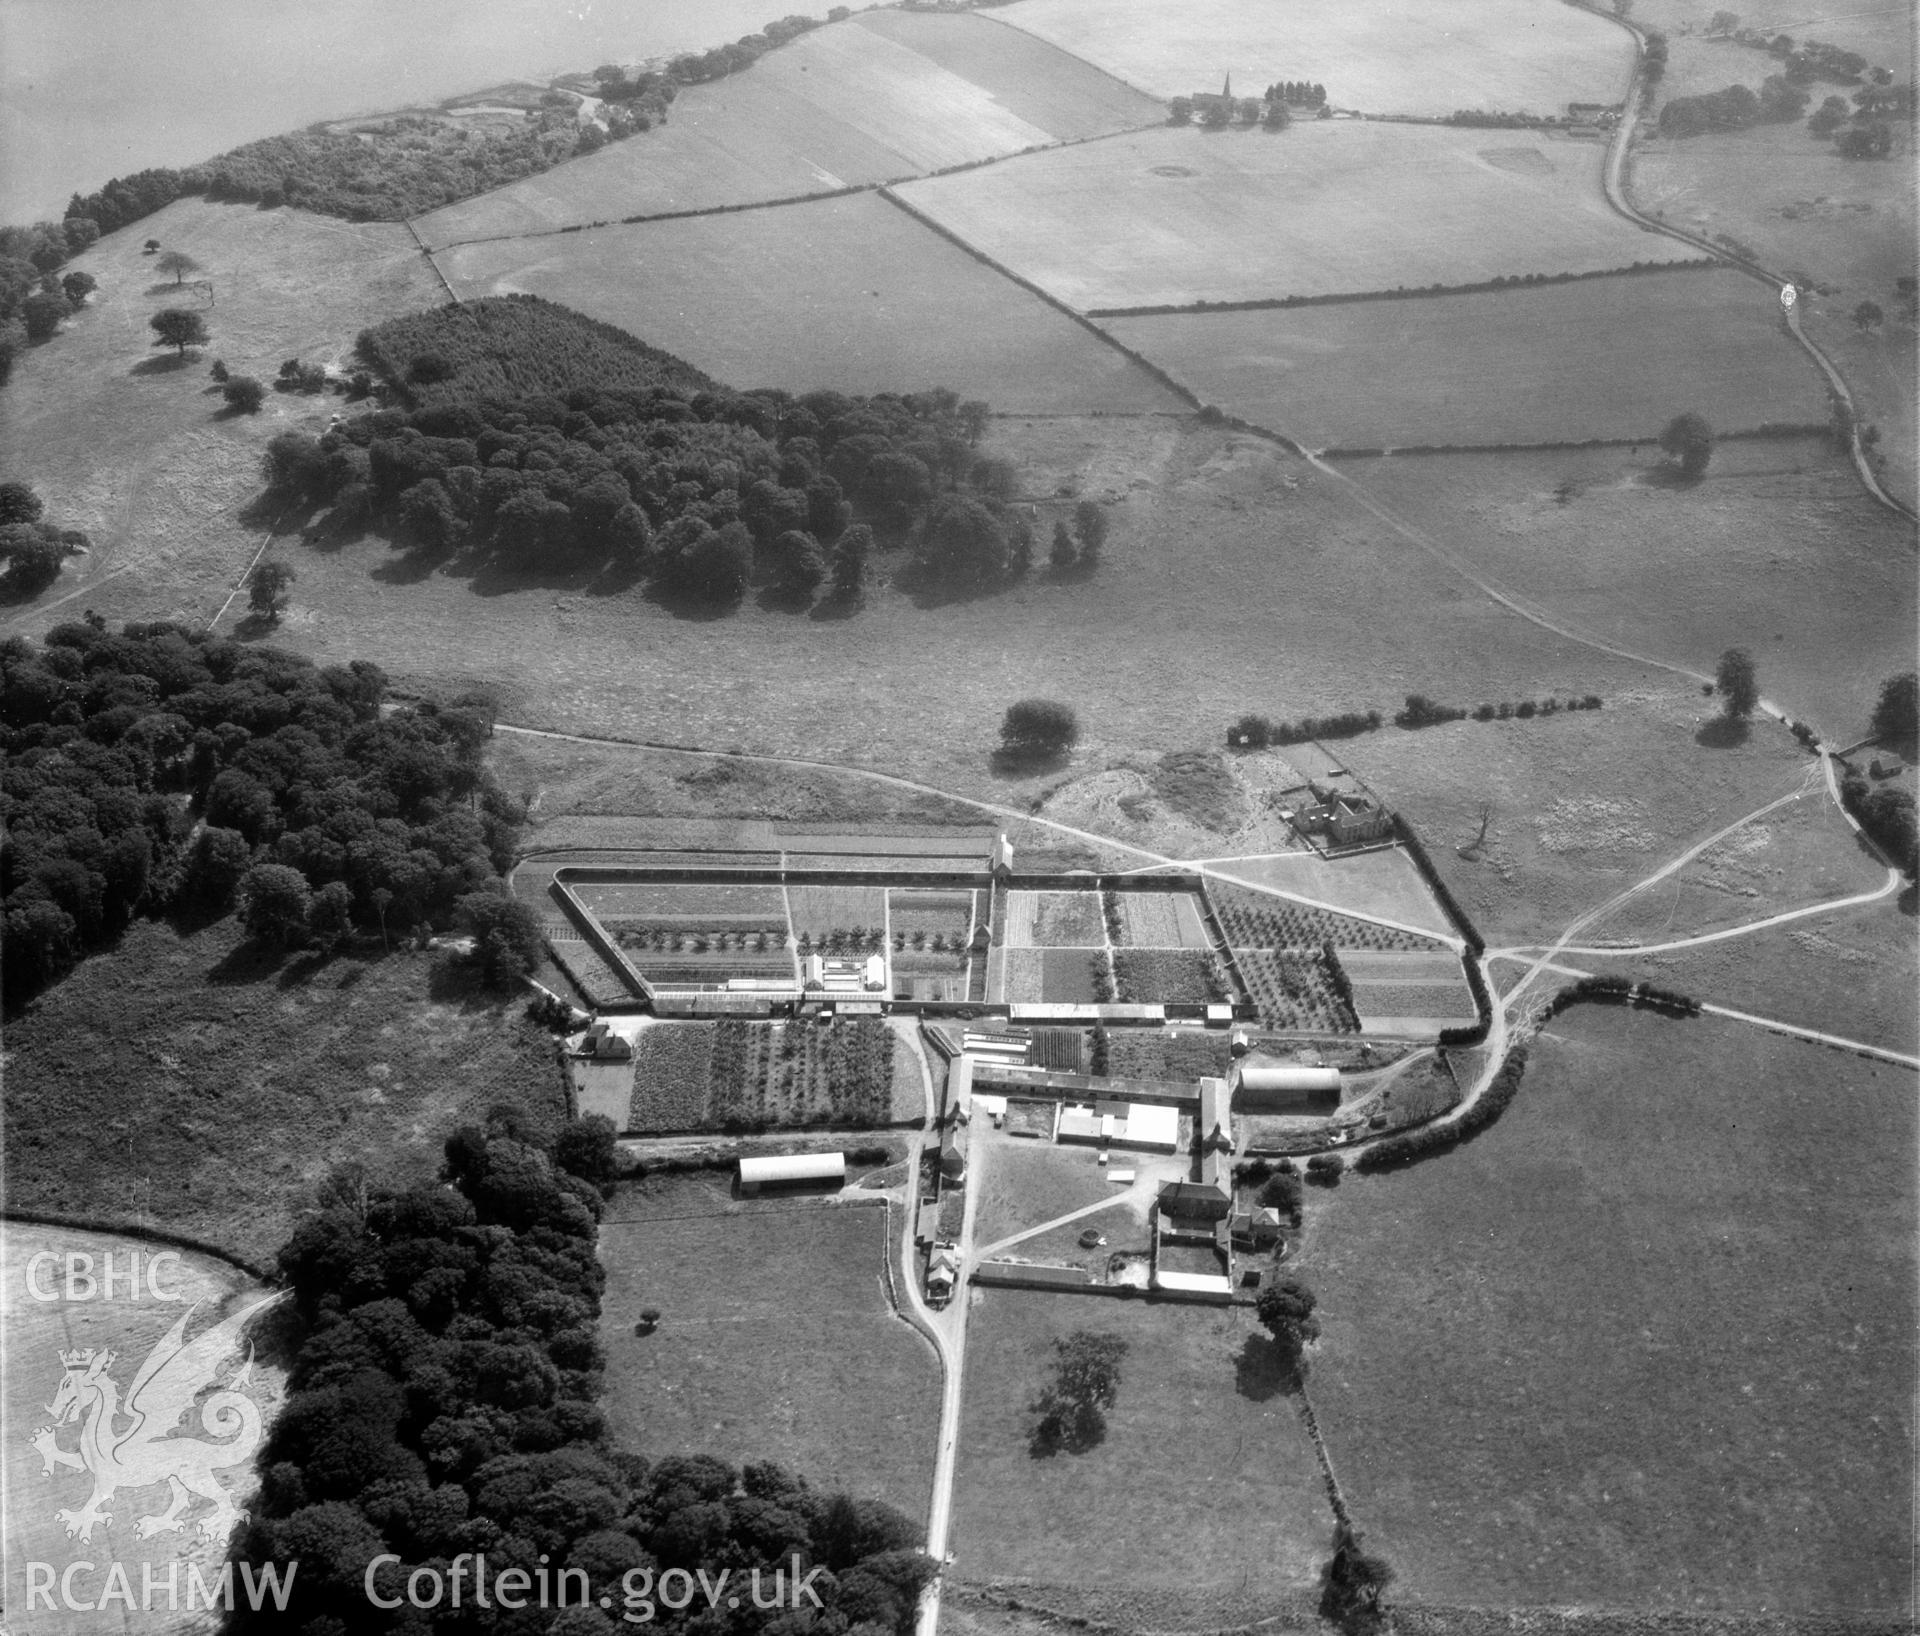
836, 1386
1776, 550
851, 294
1853, 974
1580, 810
1516, 366
134, 449
1202, 1507
1162, 920
1376, 883
1647, 1342
215, 1091
1800, 208
1427, 58
1172, 216
886, 96
1211, 530
37, 1333
1020, 1184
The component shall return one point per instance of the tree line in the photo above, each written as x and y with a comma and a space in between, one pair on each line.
442, 1404
163, 770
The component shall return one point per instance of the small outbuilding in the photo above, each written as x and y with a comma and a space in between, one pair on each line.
776, 1170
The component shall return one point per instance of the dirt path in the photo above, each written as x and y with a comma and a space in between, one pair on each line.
1143, 1188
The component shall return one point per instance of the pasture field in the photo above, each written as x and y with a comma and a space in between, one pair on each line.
1647, 1342
1176, 215
1853, 973
217, 1090
1211, 530
850, 294
847, 105
1021, 1184
37, 1333
1384, 883
134, 448
1032, 80
1795, 856
1535, 365
1427, 58
1800, 208
1201, 1508
1776, 550
854, 1400
1583, 806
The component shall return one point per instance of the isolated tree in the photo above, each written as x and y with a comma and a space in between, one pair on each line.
1689, 440
1070, 1411
1868, 316
1285, 1310
1062, 555
1897, 714
179, 263
178, 327
1180, 111
268, 590
506, 936
77, 286
381, 898
1090, 529
1733, 677
274, 905
33, 553
1035, 729
19, 504
244, 394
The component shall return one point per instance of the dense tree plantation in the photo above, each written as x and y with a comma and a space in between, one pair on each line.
637, 471
161, 770
441, 1405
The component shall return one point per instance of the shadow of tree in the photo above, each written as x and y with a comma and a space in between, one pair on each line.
1264, 1368
246, 962
167, 364
1724, 733
1669, 475
1013, 764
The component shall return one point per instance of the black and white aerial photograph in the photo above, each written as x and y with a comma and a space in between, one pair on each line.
961, 818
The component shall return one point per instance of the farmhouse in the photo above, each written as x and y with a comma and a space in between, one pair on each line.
1346, 817
1193, 1202
778, 1170
603, 1045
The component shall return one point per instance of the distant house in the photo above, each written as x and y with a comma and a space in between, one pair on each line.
796, 1170
1346, 817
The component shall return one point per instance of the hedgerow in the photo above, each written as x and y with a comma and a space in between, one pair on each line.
1396, 1151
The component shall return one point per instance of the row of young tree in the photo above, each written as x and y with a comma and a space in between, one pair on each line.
442, 1407
706, 497
163, 770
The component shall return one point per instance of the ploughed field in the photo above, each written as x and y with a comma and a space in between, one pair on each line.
1648, 1341
850, 294
736, 1075
1429, 57
1541, 364
874, 99
1175, 215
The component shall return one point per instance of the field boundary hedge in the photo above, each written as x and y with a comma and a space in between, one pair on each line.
1504, 284
1622, 991
127, 1229
1396, 1152
1765, 430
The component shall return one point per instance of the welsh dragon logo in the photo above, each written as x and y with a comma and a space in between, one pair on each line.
126, 1444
